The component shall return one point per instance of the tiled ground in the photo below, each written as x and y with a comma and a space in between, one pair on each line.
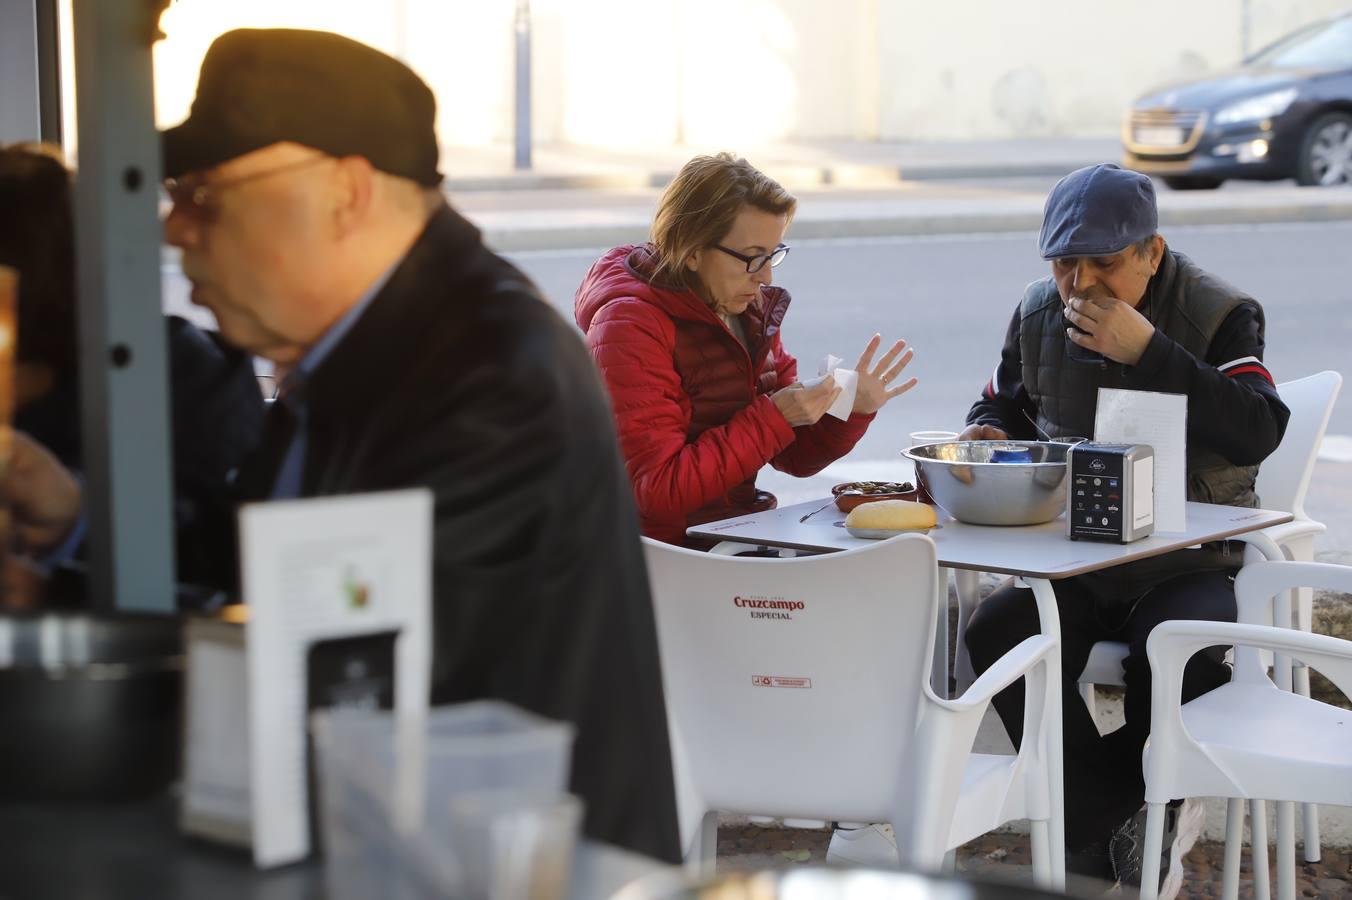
1005, 856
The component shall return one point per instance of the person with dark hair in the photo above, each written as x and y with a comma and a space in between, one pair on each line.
686, 331
1122, 309
216, 407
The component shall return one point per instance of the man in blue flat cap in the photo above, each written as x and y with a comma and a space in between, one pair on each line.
1122, 310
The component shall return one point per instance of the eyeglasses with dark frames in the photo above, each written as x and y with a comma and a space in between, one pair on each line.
200, 198
755, 263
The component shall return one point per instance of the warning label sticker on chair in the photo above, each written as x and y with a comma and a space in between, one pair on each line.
779, 681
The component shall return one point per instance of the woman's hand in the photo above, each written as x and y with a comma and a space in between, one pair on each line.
874, 390
804, 406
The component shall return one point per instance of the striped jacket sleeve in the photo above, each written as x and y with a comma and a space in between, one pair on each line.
1233, 406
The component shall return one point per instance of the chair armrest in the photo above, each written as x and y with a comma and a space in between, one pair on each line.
1171, 644
1298, 528
1007, 669
1257, 584
1264, 543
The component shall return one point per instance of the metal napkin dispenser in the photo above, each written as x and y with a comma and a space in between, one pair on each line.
1111, 495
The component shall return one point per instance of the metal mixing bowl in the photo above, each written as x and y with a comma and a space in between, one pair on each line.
961, 478
90, 705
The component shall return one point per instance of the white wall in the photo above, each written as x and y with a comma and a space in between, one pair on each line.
986, 68
636, 73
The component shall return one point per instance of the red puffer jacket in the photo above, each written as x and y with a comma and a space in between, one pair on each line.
692, 405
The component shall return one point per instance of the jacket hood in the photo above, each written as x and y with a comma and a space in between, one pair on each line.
627, 272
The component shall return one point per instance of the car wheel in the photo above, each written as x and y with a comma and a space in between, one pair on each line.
1326, 152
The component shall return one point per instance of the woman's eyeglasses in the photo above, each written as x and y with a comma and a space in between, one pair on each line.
755, 263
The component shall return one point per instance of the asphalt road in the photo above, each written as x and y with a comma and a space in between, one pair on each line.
951, 297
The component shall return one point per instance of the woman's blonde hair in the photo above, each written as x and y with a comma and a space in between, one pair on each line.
698, 207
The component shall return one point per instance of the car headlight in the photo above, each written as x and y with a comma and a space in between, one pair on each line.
1264, 106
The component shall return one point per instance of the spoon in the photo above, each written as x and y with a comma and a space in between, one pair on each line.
815, 511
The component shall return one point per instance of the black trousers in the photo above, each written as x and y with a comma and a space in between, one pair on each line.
1104, 784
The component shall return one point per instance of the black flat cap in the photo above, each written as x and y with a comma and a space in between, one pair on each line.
1098, 211
262, 86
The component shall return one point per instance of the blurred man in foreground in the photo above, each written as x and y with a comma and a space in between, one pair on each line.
1123, 310
307, 209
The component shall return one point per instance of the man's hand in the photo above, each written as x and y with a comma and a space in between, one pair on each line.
1111, 327
983, 433
804, 406
44, 498
874, 381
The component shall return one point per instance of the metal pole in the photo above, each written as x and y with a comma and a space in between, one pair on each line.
49, 71
523, 136
123, 380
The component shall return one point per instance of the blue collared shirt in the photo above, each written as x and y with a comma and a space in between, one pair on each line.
291, 473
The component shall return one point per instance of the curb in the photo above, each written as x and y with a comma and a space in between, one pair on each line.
526, 237
792, 175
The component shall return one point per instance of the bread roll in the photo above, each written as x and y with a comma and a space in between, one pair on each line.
893, 515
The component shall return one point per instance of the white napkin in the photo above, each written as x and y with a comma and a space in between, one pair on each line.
846, 379
1160, 420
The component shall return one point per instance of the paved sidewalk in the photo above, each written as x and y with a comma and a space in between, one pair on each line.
555, 220
588, 197
1004, 857
799, 163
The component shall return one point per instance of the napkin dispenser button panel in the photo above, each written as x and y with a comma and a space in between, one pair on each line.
1111, 496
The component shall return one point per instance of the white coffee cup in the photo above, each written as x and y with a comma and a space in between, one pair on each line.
932, 437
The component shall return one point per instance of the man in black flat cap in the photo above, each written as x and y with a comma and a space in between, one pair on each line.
306, 206
1123, 310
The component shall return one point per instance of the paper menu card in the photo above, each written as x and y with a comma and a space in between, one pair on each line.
1161, 421
312, 571
846, 379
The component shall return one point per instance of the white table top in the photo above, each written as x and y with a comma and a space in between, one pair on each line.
1036, 551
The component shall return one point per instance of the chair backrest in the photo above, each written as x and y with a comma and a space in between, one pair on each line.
1284, 476
793, 686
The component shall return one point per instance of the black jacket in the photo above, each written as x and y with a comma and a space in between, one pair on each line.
216, 417
460, 378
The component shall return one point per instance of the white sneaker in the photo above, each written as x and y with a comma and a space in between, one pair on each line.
1191, 818
874, 846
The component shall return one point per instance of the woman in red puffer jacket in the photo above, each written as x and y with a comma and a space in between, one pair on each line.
686, 332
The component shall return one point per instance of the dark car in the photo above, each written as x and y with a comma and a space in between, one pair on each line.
1286, 112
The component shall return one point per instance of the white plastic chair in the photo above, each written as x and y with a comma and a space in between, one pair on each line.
1249, 738
1283, 480
798, 688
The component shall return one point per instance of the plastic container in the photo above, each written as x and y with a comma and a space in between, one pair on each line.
470, 749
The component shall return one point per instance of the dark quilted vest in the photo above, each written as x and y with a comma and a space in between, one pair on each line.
1187, 305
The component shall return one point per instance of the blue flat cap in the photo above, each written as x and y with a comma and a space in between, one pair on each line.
1097, 211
